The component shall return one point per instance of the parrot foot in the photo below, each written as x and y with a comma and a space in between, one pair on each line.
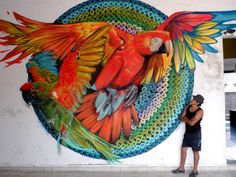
107, 102
131, 96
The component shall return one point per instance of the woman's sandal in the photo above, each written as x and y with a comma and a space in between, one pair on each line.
178, 171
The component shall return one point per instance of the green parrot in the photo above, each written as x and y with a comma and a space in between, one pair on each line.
70, 130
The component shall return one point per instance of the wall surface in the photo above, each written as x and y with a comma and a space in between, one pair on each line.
24, 141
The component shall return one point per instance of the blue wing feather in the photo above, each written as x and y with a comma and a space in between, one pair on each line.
196, 56
209, 48
44, 60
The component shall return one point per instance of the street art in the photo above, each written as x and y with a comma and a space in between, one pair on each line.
109, 79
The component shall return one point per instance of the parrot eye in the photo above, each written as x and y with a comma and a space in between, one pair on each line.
155, 44
32, 89
157, 40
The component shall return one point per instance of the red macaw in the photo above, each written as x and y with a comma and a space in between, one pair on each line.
111, 108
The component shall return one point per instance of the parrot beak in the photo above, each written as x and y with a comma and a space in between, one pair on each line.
26, 87
169, 49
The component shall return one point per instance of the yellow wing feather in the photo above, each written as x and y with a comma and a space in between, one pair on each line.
205, 39
189, 58
158, 65
197, 47
207, 32
206, 25
90, 55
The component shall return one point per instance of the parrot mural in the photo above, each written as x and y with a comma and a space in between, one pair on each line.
87, 77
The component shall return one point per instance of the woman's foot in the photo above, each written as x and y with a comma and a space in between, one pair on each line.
178, 170
193, 174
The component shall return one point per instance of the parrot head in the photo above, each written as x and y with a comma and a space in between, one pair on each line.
35, 92
157, 41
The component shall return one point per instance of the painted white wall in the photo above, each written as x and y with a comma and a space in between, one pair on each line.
24, 142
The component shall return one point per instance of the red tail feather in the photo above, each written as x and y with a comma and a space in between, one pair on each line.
116, 124
127, 122
110, 127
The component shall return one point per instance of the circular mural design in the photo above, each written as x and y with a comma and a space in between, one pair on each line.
159, 105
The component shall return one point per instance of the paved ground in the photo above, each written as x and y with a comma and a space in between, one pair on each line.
113, 174
229, 171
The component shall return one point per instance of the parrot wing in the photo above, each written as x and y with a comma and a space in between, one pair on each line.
192, 33
77, 69
31, 37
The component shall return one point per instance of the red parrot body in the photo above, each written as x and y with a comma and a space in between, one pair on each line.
121, 70
117, 84
123, 67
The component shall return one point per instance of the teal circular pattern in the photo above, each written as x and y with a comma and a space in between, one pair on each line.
159, 105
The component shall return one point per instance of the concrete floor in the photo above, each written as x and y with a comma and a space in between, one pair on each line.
112, 174
229, 171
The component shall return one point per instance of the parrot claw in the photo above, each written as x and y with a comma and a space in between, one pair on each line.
93, 87
107, 102
131, 95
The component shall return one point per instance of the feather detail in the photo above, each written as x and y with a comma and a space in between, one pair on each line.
190, 31
85, 114
188, 39
177, 58
205, 39
90, 121
84, 107
86, 69
197, 47
134, 113
94, 43
190, 59
106, 129
207, 32
33, 37
90, 97
58, 144
91, 51
206, 25
95, 57
149, 75
126, 122
158, 64
88, 63
85, 76
96, 127
116, 124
